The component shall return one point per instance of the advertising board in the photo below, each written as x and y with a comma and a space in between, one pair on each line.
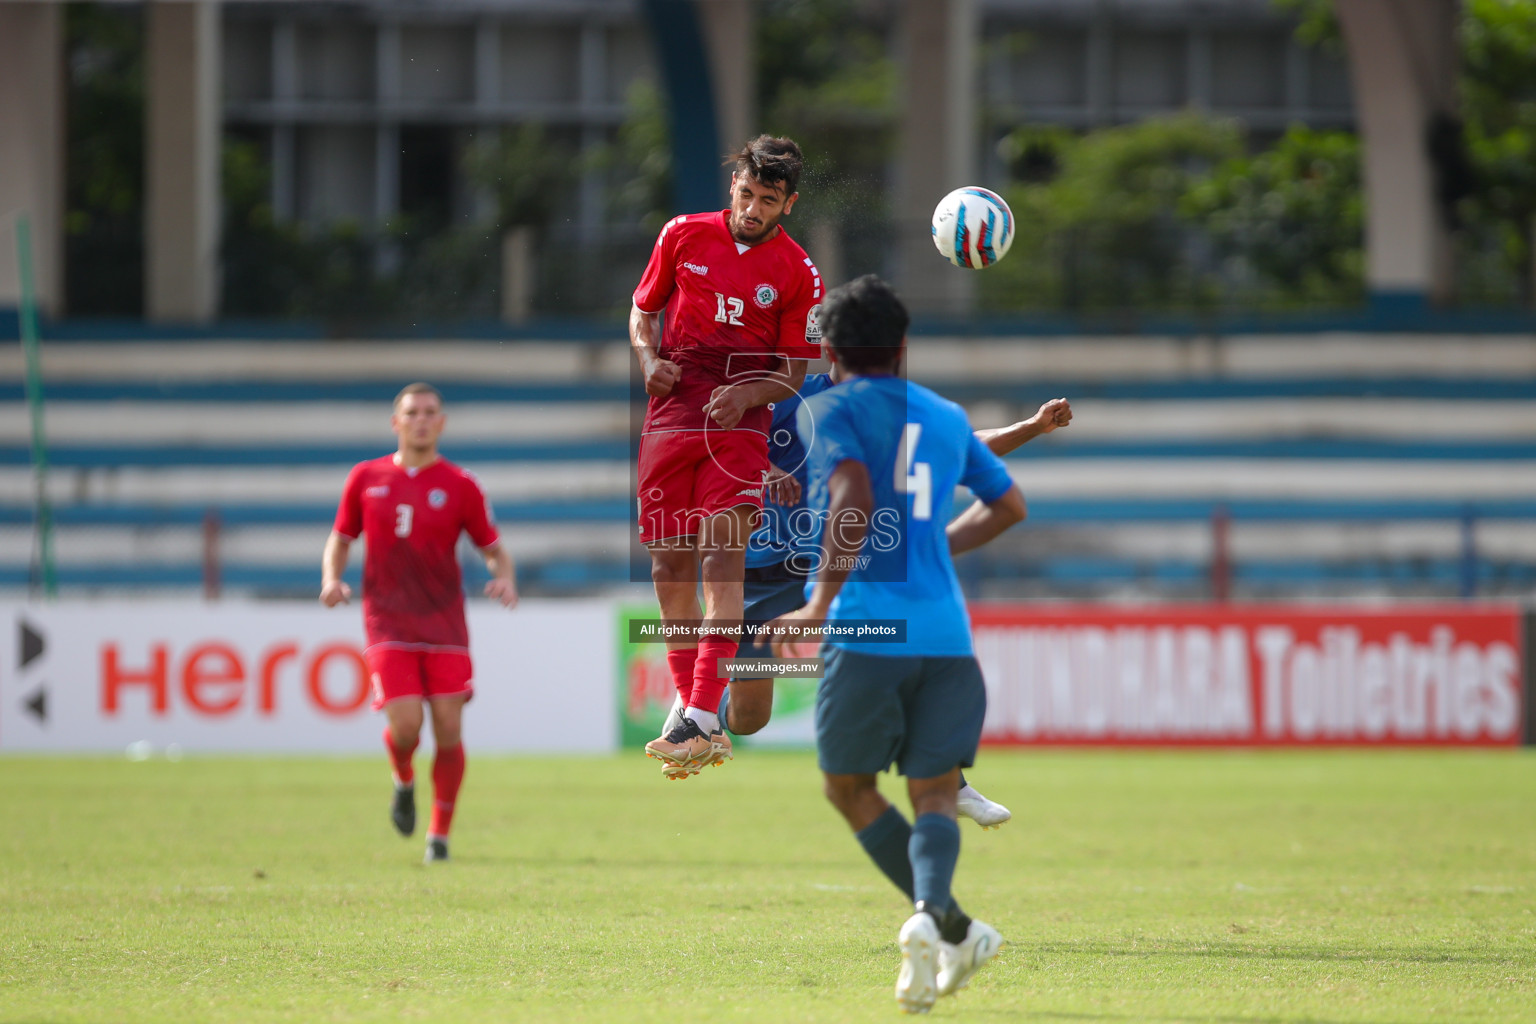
1253, 675
234, 676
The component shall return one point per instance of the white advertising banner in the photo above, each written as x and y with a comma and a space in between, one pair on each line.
248, 677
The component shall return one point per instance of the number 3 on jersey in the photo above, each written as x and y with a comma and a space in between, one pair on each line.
728, 311
914, 478
404, 514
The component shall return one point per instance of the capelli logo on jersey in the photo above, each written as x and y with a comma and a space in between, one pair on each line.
701, 271
381, 491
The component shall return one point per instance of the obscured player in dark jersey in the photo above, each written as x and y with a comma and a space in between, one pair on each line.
739, 298
883, 468
411, 507
782, 549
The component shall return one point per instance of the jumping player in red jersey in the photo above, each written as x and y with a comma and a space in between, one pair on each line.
740, 300
412, 506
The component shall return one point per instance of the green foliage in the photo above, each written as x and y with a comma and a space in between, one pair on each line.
525, 168
274, 268
1498, 86
104, 169
1104, 231
1317, 24
826, 79
1366, 886
639, 163
106, 127
342, 273
1294, 214
1498, 108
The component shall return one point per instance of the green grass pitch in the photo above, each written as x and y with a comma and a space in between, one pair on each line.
1170, 886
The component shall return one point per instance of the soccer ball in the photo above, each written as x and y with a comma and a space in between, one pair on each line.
972, 227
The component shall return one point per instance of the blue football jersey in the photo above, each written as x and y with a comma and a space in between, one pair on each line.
781, 532
918, 447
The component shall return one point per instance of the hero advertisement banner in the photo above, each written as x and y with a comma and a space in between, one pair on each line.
274, 677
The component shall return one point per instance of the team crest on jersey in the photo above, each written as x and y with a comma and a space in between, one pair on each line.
765, 296
813, 323
437, 497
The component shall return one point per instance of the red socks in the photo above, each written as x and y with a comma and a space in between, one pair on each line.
400, 759
447, 774
708, 681
680, 664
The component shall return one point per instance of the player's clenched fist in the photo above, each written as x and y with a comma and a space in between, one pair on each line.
726, 406
660, 377
1055, 413
335, 592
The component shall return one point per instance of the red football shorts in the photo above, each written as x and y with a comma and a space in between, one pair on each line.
400, 673
689, 475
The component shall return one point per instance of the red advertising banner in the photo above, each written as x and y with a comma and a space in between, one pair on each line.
1252, 675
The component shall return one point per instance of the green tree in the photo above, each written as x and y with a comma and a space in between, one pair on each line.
639, 163
1104, 231
1498, 110
825, 78
526, 169
104, 169
1292, 215
286, 269
1498, 87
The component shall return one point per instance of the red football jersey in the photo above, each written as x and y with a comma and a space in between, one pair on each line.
731, 311
413, 592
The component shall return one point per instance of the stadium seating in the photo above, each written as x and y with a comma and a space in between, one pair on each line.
1340, 464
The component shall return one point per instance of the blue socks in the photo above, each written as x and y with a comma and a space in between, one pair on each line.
886, 840
725, 698
930, 851
933, 851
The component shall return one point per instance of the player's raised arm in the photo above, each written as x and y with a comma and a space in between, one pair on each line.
999, 504
333, 589
503, 582
985, 520
1002, 440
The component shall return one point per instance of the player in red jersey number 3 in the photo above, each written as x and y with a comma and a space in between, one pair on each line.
739, 298
412, 506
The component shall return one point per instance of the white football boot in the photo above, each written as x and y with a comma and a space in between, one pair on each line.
986, 813
917, 985
958, 964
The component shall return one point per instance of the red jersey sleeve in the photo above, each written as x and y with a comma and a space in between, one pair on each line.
349, 514
799, 325
660, 276
479, 522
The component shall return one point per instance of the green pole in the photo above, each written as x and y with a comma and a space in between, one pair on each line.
42, 512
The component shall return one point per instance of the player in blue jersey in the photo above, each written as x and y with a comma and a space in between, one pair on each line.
783, 548
886, 458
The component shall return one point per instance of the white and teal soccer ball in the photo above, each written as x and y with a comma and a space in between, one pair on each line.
972, 227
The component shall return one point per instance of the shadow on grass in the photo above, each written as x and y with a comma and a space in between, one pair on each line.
1154, 1018
1309, 954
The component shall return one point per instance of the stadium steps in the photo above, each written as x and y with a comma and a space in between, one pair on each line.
1280, 432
